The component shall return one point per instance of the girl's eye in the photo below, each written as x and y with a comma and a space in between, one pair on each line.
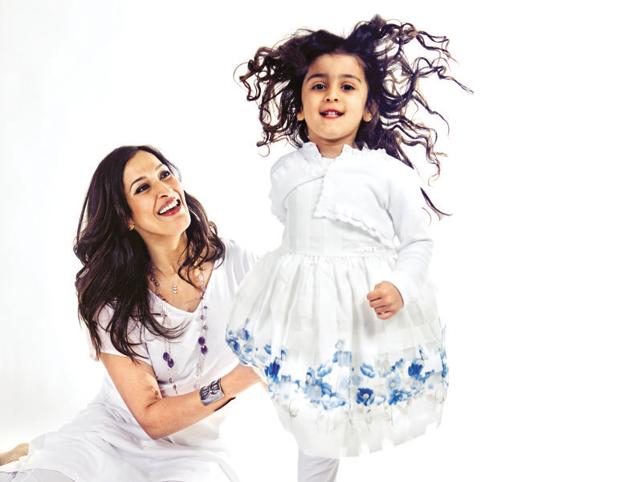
141, 188
318, 86
165, 174
348, 87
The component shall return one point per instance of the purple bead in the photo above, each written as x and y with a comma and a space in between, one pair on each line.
165, 356
170, 363
204, 349
201, 340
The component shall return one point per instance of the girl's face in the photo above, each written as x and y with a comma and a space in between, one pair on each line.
334, 97
155, 198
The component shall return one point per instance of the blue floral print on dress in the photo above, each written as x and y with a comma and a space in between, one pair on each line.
367, 370
364, 396
392, 383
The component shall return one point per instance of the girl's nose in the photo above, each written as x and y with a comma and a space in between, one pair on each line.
332, 95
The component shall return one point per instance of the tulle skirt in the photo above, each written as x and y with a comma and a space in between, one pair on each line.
343, 381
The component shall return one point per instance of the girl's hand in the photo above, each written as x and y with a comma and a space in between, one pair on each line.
385, 299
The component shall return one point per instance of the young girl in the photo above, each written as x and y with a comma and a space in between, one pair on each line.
341, 319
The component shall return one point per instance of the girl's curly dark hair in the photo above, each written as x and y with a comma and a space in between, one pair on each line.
275, 75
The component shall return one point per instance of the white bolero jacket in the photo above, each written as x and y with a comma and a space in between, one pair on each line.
372, 191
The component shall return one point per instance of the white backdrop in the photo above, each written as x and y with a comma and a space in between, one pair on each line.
537, 269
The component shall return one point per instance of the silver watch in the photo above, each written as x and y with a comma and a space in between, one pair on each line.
211, 393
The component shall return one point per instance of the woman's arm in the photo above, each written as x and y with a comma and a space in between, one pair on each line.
158, 416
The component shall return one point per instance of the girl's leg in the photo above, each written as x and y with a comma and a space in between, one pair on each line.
316, 469
35, 475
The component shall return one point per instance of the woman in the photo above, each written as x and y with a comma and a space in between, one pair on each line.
154, 292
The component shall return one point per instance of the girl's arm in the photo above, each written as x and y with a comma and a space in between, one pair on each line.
408, 211
161, 416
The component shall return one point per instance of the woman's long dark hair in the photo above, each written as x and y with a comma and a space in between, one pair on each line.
275, 75
115, 260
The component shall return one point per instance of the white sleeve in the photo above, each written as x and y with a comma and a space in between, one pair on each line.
408, 210
134, 336
239, 260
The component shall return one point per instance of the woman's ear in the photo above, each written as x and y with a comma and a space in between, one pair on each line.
300, 115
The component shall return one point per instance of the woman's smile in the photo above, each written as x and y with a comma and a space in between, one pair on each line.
170, 208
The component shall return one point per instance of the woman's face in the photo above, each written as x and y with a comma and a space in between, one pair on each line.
155, 197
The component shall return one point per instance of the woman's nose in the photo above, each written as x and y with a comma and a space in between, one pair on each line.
163, 190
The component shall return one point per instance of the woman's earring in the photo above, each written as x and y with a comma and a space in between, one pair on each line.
131, 226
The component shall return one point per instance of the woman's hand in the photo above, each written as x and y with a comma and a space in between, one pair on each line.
385, 299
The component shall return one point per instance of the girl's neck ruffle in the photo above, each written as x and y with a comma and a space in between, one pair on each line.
311, 153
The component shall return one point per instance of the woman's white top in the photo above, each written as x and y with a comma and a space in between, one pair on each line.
104, 443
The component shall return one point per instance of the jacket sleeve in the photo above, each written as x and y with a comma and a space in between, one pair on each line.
408, 211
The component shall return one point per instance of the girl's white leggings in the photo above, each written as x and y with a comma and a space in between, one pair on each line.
316, 469
35, 475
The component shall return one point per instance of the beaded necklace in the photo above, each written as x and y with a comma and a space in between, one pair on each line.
202, 341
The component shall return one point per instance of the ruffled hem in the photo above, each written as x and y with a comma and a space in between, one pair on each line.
350, 434
343, 407
349, 404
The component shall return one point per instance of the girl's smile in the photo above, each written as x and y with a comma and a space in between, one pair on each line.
331, 114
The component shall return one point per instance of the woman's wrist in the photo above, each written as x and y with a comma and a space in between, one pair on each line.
238, 380
212, 393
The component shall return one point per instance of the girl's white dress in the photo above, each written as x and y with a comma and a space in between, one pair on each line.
343, 381
104, 443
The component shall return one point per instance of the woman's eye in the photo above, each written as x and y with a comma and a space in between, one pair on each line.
165, 174
141, 188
